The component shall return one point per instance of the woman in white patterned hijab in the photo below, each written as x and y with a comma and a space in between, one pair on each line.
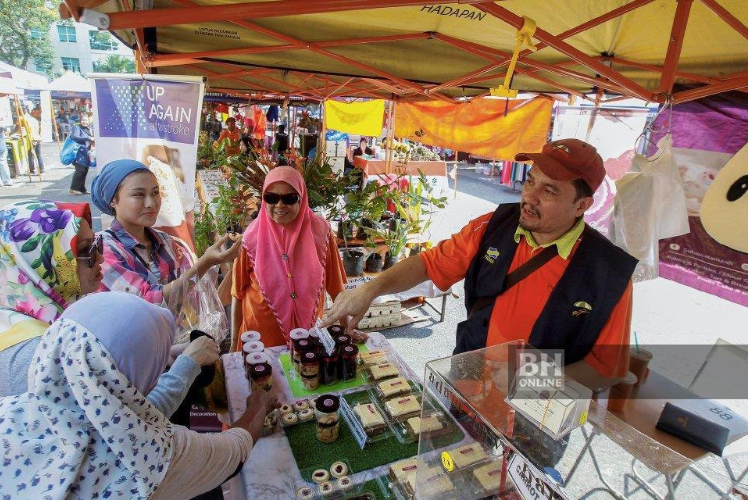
85, 428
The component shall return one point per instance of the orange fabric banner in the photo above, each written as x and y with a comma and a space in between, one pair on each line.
478, 126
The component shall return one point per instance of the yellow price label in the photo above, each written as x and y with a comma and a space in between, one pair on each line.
447, 462
583, 418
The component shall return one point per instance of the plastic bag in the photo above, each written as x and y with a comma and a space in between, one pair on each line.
69, 151
196, 306
650, 205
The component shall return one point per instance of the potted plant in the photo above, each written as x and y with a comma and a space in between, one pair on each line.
366, 203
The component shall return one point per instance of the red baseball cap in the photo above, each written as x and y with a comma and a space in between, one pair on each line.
568, 159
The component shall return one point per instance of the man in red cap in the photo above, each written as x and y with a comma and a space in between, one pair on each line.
533, 271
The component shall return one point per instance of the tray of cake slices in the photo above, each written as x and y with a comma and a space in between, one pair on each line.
474, 472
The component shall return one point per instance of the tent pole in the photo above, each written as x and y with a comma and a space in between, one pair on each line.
390, 134
457, 161
322, 140
54, 125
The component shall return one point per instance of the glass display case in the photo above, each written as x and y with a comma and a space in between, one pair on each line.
510, 454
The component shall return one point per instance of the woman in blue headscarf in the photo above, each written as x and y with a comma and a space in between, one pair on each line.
137, 258
85, 428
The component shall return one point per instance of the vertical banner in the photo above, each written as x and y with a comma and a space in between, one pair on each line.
154, 119
709, 139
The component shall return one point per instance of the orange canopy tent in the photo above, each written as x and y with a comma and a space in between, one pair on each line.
413, 49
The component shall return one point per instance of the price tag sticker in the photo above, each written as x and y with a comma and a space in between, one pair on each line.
324, 336
530, 483
447, 462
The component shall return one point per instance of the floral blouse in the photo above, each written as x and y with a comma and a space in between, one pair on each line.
125, 268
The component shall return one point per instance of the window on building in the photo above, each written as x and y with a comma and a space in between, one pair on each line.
71, 64
35, 34
66, 33
101, 40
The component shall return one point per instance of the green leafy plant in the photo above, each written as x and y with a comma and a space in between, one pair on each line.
230, 207
362, 204
205, 230
325, 186
414, 208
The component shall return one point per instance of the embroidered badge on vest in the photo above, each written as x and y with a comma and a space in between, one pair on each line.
583, 308
491, 255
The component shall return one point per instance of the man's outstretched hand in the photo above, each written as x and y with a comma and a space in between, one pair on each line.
349, 308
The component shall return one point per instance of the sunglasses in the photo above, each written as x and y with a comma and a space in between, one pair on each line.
287, 199
96, 249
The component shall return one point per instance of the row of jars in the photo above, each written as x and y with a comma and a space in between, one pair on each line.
318, 367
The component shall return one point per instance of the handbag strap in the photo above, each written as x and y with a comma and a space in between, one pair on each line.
516, 276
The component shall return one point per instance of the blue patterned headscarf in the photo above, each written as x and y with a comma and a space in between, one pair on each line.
105, 184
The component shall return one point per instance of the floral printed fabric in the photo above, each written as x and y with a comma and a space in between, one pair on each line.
84, 431
38, 268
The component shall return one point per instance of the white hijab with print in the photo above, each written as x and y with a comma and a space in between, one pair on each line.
85, 429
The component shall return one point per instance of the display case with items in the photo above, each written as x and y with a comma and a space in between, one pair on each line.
469, 391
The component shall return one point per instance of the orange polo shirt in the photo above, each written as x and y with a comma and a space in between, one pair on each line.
515, 311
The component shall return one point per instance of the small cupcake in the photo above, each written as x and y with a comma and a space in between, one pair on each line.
285, 409
326, 488
345, 483
338, 469
289, 419
306, 415
304, 493
300, 405
320, 476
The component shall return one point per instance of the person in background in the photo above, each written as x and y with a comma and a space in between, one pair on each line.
137, 258
33, 128
5, 179
245, 146
281, 141
229, 138
84, 136
212, 127
288, 260
86, 429
363, 148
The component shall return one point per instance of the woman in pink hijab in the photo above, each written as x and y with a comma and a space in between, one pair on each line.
289, 260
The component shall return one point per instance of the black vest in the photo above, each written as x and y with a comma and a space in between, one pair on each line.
597, 275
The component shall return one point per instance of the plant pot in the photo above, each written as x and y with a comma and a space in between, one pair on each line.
374, 263
390, 260
353, 262
346, 230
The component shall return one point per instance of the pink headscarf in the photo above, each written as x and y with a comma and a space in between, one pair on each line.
298, 249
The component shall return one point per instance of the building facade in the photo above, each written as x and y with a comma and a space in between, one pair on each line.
82, 48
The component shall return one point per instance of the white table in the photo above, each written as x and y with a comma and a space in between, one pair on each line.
271, 471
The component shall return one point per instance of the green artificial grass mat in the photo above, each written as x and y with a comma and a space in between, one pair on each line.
297, 388
311, 454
